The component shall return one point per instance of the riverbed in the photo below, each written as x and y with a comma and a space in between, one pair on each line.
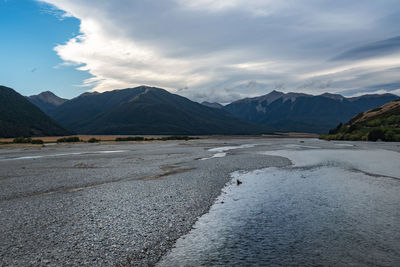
301, 201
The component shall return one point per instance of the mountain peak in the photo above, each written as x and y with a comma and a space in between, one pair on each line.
270, 97
47, 101
48, 97
275, 92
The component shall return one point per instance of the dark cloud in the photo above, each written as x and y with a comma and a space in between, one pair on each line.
377, 49
316, 84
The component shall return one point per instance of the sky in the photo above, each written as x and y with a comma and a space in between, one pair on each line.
217, 51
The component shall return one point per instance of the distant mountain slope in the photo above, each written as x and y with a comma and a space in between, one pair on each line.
46, 101
380, 123
302, 112
19, 117
146, 110
211, 105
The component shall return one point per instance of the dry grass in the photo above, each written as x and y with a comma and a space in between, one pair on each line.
377, 112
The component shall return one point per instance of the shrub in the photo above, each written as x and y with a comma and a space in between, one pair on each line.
324, 137
374, 123
93, 140
176, 137
130, 138
347, 136
23, 140
376, 134
394, 119
389, 136
68, 139
355, 137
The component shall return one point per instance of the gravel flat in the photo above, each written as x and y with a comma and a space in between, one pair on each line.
119, 203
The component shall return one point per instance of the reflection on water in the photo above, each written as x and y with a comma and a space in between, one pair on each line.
320, 214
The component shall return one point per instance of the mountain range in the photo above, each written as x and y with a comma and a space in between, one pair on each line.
21, 118
297, 112
150, 110
146, 110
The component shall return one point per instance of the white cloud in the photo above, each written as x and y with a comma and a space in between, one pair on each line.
214, 48
254, 7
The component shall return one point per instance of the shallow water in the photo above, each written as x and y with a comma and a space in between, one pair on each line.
221, 151
330, 208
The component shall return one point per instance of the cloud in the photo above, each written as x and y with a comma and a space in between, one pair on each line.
380, 91
376, 49
210, 50
392, 88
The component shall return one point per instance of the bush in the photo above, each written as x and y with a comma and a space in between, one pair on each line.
177, 137
93, 140
325, 137
389, 135
130, 138
23, 140
376, 134
355, 137
374, 123
70, 139
394, 119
